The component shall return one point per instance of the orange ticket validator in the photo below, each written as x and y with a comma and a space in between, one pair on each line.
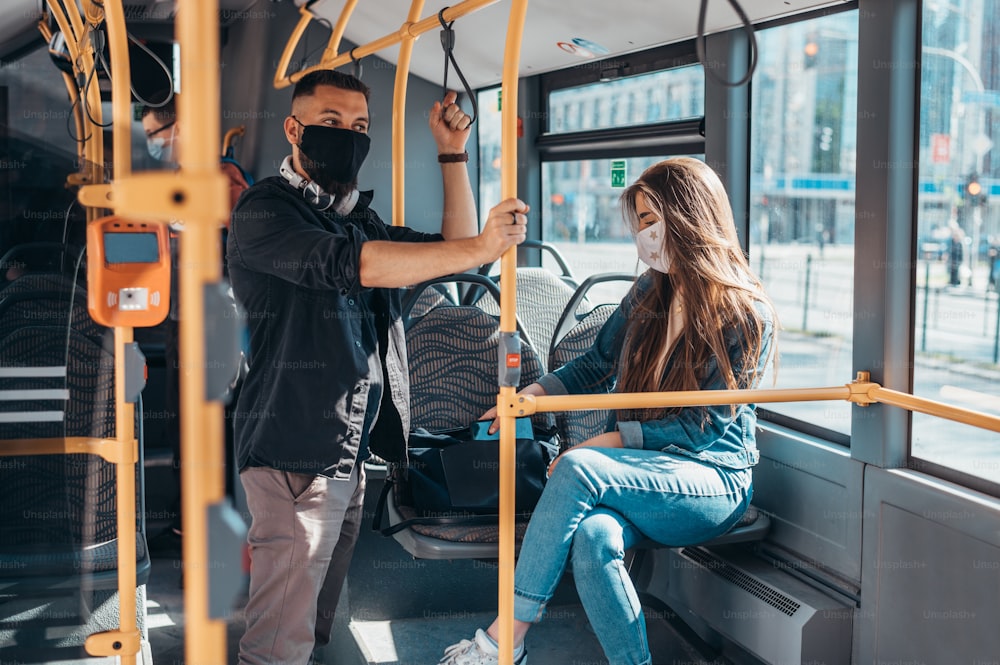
128, 272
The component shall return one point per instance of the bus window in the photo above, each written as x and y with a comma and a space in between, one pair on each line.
803, 137
582, 218
957, 326
587, 159
674, 94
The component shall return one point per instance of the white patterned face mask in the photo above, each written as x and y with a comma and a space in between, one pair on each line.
649, 242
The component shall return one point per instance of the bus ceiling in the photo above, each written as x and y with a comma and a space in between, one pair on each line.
556, 34
19, 27
19, 21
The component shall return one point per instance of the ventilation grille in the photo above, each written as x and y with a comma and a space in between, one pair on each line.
775, 599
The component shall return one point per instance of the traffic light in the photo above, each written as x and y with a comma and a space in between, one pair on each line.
973, 193
811, 50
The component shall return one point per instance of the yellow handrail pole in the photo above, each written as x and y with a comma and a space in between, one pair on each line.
227, 140
73, 26
93, 166
650, 400
121, 92
337, 34
399, 115
280, 79
92, 12
508, 324
410, 29
934, 408
125, 642
202, 449
71, 91
80, 65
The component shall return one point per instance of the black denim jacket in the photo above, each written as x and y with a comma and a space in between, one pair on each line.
295, 269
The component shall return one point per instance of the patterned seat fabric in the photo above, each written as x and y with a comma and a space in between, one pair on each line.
452, 354
58, 512
575, 427
541, 298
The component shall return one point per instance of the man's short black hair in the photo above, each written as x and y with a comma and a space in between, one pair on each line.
306, 85
163, 113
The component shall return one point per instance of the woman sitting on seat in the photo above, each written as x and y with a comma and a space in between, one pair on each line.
698, 319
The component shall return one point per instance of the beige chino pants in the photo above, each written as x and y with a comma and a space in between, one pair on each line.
301, 537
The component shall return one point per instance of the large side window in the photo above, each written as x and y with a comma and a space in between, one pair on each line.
604, 125
803, 134
957, 333
673, 94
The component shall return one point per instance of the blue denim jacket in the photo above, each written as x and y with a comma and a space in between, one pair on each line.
726, 440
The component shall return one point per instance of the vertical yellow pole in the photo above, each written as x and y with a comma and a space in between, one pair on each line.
121, 97
201, 422
399, 115
91, 150
508, 284
121, 94
333, 46
71, 91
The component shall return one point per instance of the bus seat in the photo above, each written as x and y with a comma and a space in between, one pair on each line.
481, 541
574, 333
541, 297
446, 542
575, 427
453, 351
427, 298
753, 526
58, 513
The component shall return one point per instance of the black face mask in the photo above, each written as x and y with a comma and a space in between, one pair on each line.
332, 155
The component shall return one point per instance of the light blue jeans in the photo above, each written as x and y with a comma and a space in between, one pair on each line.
600, 502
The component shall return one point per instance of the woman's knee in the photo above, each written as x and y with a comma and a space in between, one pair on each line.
597, 541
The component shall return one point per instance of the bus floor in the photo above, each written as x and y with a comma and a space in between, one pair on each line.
564, 637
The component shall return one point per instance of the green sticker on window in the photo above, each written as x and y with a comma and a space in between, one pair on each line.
500, 99
618, 173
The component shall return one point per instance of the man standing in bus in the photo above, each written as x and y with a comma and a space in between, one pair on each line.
319, 275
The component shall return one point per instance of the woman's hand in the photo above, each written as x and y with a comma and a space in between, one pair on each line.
532, 389
606, 440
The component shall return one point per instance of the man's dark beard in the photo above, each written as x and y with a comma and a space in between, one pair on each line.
315, 172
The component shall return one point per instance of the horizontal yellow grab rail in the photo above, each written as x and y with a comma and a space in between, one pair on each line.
529, 404
108, 449
862, 392
934, 408
413, 30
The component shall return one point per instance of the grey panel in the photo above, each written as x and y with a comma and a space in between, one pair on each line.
888, 108
812, 490
931, 572
761, 608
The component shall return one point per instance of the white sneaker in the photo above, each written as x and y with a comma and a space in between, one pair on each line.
479, 651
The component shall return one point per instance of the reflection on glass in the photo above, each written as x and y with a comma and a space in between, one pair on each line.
674, 94
582, 218
803, 147
957, 334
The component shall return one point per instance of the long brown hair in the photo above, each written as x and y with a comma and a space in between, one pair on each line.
719, 291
